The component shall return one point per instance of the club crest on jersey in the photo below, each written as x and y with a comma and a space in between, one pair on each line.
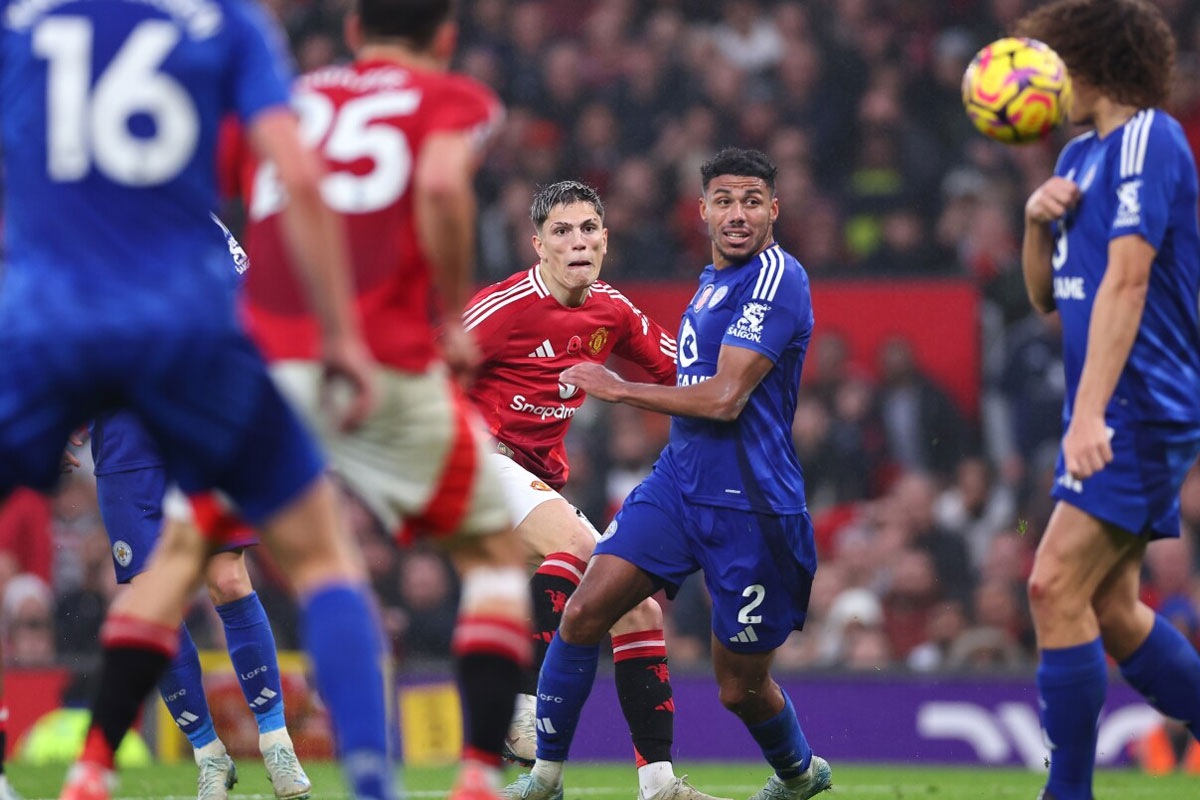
122, 552
705, 293
1129, 212
567, 390
750, 324
540, 486
717, 297
504, 449
598, 339
609, 531
574, 345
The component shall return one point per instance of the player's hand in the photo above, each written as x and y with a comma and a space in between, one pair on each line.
1087, 447
595, 379
70, 462
348, 364
1052, 199
460, 351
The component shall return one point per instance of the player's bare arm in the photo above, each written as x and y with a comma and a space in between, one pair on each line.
1047, 203
1116, 315
318, 246
444, 200
721, 398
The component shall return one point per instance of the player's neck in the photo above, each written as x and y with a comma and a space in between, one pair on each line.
571, 298
1108, 115
401, 55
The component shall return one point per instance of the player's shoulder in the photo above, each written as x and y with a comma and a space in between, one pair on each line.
456, 91
776, 275
500, 301
607, 293
1151, 135
1074, 148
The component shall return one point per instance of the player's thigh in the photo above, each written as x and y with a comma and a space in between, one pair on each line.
1076, 554
220, 423
131, 507
556, 527
162, 592
419, 460
758, 569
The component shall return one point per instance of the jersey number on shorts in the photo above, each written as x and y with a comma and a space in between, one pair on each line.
88, 125
757, 591
358, 132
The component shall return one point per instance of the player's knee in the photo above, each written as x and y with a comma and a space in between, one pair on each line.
645, 616
228, 585
583, 621
1051, 594
741, 696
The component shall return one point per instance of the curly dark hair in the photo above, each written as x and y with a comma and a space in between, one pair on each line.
1122, 47
743, 163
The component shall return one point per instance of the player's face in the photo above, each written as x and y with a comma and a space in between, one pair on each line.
740, 213
571, 246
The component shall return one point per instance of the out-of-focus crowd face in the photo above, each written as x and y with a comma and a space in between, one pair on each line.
924, 550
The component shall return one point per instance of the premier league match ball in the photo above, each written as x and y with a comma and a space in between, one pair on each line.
1016, 90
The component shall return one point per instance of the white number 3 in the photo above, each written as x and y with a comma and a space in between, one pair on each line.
758, 592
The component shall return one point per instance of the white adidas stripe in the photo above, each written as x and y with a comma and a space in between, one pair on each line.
492, 299
1139, 160
529, 289
769, 275
1134, 140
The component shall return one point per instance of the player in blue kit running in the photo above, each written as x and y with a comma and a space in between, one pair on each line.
116, 295
726, 495
1112, 243
130, 484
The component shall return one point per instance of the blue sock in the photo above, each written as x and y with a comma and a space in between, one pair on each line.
782, 742
182, 689
1072, 682
342, 637
1166, 670
563, 687
252, 651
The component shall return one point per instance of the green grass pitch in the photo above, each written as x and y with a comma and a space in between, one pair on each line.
618, 782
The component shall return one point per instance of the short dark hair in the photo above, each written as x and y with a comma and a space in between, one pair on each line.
737, 161
415, 21
1122, 47
563, 193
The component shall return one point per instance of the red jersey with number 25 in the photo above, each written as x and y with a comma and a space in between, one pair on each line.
528, 338
368, 120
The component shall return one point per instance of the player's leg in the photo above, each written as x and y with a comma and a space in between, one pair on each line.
1076, 554
1155, 658
252, 651
139, 638
748, 690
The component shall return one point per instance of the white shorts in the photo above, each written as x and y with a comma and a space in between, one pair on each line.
524, 491
419, 459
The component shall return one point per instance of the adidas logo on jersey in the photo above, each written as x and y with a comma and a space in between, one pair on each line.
544, 350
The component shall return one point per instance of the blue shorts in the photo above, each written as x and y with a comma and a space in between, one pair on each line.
758, 567
1139, 490
203, 394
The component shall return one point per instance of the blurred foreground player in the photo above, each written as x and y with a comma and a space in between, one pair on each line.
402, 140
116, 295
726, 495
1111, 242
530, 327
130, 484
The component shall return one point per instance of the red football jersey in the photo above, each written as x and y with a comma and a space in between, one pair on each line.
528, 338
368, 120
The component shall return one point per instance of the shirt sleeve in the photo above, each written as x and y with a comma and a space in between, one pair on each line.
771, 313
1144, 179
467, 106
490, 328
647, 344
260, 71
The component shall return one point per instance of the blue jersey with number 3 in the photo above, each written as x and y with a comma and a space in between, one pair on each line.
1139, 180
111, 111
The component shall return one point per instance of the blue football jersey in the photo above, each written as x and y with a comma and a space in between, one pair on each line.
749, 463
1140, 179
111, 111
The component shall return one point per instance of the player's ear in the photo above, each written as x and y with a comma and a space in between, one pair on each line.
537, 246
703, 209
774, 208
352, 31
604, 242
444, 41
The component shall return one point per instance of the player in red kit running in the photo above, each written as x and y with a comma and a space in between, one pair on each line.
531, 327
402, 139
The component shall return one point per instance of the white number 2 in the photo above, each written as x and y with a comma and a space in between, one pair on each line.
357, 133
83, 126
758, 592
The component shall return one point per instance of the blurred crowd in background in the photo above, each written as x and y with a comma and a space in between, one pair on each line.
927, 513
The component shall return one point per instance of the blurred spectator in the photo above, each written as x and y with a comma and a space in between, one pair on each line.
925, 431
909, 601
429, 600
977, 506
944, 624
24, 535
28, 622
984, 649
912, 499
79, 612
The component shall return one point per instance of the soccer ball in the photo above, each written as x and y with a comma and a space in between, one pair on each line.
1016, 90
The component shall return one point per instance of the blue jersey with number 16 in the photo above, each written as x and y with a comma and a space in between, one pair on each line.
111, 110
